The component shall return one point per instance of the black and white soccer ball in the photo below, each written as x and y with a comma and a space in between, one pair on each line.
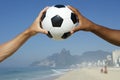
59, 20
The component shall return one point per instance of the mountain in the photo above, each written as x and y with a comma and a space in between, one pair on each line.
65, 59
62, 59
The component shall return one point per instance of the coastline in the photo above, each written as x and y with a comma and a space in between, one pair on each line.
55, 76
51, 77
91, 74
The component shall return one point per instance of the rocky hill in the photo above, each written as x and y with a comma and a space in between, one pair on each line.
65, 59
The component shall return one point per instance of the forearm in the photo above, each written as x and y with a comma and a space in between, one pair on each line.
8, 48
110, 35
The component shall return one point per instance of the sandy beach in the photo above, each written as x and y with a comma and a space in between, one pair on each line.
91, 74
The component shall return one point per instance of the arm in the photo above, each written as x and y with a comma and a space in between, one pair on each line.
110, 35
10, 47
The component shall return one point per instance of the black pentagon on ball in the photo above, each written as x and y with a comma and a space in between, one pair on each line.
66, 35
56, 21
43, 16
74, 18
59, 6
49, 35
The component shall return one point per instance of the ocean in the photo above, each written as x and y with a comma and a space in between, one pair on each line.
29, 73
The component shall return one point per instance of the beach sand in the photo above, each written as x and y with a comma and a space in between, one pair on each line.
91, 74
50, 78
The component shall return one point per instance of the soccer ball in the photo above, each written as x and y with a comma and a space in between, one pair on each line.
58, 20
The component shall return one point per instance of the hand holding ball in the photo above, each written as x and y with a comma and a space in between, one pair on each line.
59, 20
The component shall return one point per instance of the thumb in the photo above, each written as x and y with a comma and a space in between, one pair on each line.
75, 29
44, 31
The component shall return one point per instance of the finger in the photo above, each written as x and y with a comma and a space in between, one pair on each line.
44, 31
70, 7
40, 16
77, 13
75, 29
42, 12
73, 9
71, 31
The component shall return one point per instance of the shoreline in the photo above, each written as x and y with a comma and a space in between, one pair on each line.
54, 77
51, 77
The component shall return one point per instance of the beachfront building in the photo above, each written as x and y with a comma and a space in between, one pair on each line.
100, 63
109, 61
116, 58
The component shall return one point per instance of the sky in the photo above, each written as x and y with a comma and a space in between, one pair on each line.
18, 15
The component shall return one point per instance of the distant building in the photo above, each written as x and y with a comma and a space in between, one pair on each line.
109, 61
116, 58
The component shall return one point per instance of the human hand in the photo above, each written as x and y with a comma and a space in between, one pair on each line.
84, 23
36, 27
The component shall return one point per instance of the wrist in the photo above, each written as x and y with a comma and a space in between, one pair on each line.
29, 32
93, 27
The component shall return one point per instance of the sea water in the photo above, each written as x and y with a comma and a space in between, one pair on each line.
28, 73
